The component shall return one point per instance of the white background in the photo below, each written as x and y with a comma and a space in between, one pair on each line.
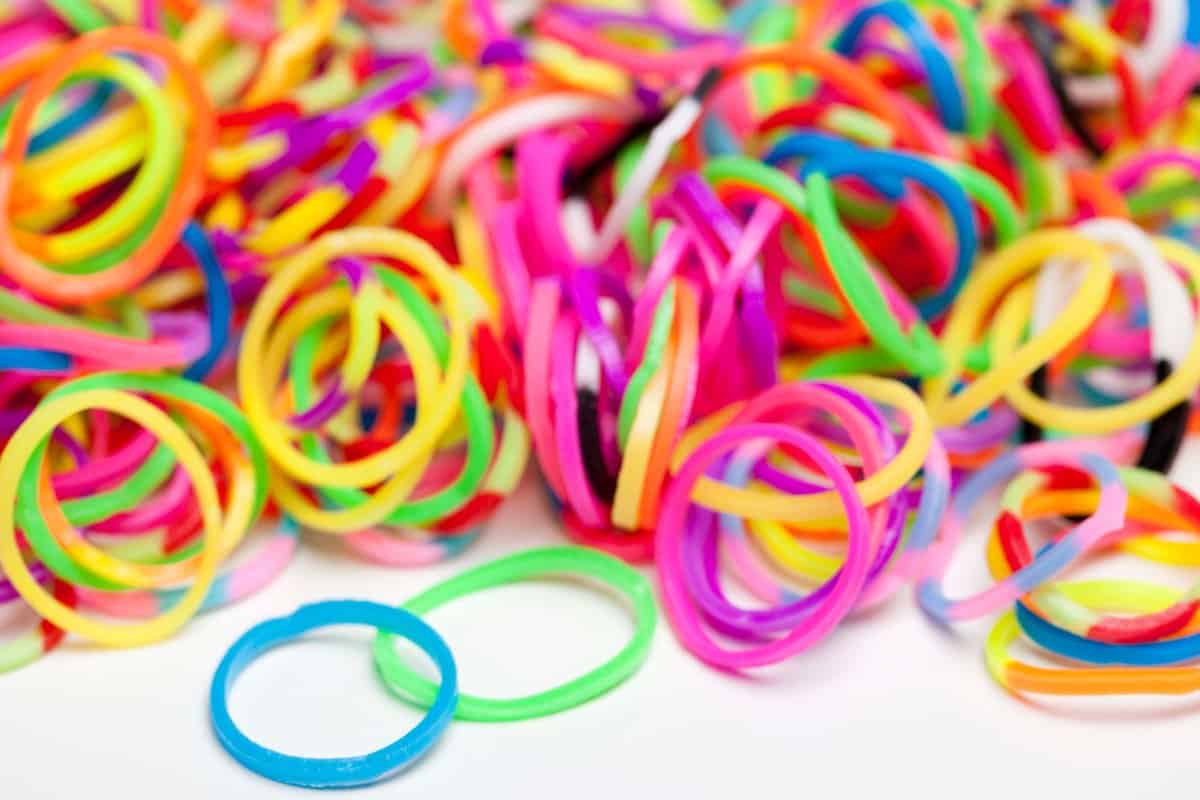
889, 705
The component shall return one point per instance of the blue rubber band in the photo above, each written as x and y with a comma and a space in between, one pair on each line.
1079, 648
31, 360
814, 144
947, 95
1192, 32
329, 773
861, 162
216, 295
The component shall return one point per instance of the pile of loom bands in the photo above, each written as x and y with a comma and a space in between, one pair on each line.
773, 294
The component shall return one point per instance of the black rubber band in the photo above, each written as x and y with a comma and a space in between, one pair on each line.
1167, 431
604, 484
1041, 37
578, 181
1030, 431
1163, 439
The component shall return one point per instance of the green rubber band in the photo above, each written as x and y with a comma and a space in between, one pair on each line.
976, 71
1033, 180
552, 561
862, 126
80, 512
1150, 201
917, 350
652, 359
771, 85
991, 196
851, 361
31, 521
148, 477
15, 308
813, 297
164, 147
119, 252
781, 186
81, 16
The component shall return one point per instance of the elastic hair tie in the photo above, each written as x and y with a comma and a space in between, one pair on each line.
753, 503
787, 611
873, 300
995, 275
392, 464
861, 161
1008, 550
1117, 595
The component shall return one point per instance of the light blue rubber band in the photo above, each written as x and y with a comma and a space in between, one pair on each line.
333, 773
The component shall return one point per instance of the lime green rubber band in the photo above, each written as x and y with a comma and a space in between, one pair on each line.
152, 181
917, 350
81, 16
1033, 180
532, 564
1150, 201
991, 196
144, 480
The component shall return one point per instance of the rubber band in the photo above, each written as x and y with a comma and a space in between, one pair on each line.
49, 284
324, 773
552, 561
1109, 516
19, 450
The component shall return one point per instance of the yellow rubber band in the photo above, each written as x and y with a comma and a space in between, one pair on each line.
751, 503
988, 283
1096, 421
17, 453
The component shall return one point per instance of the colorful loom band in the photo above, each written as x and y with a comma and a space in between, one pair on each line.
23, 650
325, 773
938, 71
995, 275
1109, 516
1008, 550
60, 547
860, 161
57, 287
670, 540
262, 567
1171, 317
19, 450
480, 437
1173, 388
874, 305
1119, 595
573, 561
251, 383
754, 503
703, 583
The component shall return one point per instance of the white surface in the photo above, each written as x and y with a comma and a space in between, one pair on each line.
890, 704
